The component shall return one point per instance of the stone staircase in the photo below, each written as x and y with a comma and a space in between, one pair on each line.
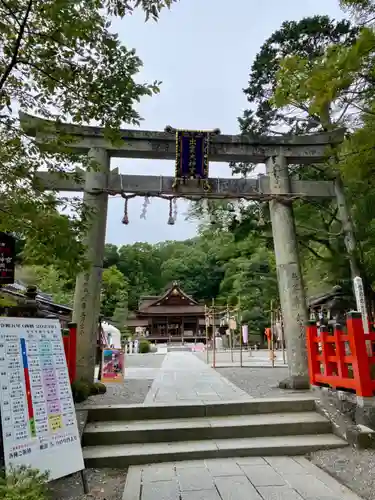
119, 436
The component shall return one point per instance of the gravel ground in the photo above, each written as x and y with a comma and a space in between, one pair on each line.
258, 382
106, 484
131, 392
352, 467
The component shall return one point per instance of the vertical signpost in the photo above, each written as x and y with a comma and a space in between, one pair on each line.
361, 306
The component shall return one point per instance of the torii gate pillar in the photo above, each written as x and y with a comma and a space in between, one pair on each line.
289, 276
88, 286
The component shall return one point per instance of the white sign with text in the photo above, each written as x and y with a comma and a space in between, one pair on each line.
361, 302
38, 416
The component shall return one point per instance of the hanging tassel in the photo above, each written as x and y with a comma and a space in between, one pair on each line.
171, 219
125, 219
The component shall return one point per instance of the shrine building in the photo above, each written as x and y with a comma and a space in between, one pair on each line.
171, 317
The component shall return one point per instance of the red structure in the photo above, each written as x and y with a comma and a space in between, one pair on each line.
341, 359
70, 348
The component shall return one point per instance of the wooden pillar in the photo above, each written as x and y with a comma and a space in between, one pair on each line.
289, 276
88, 285
182, 329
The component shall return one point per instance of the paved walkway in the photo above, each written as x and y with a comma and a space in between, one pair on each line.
185, 378
252, 478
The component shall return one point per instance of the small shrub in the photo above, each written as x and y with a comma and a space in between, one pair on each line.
81, 390
144, 346
98, 388
23, 483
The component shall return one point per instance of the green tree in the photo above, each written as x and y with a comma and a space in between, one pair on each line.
318, 229
114, 291
60, 59
338, 88
49, 280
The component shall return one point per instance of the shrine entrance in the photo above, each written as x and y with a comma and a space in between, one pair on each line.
192, 151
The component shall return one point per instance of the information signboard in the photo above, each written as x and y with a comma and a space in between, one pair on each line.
39, 425
7, 257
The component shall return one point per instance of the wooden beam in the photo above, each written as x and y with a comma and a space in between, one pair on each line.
157, 185
146, 144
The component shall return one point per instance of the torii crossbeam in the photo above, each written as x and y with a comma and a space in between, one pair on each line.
276, 186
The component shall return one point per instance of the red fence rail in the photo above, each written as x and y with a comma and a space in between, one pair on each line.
341, 359
70, 348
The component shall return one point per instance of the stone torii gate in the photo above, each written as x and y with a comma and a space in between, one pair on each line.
276, 187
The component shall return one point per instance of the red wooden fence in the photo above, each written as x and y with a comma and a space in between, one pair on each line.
340, 359
70, 348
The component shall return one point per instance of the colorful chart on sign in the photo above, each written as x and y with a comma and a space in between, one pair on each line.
37, 411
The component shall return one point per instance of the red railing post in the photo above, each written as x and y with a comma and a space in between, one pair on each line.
342, 367
360, 363
313, 363
327, 366
66, 341
72, 351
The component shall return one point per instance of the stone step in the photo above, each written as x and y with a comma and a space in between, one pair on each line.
110, 413
238, 426
139, 454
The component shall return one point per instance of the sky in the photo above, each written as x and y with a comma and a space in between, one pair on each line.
202, 51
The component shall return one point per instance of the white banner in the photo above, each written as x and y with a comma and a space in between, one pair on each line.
361, 302
245, 333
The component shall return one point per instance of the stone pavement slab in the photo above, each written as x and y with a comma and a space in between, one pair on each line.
246, 478
183, 377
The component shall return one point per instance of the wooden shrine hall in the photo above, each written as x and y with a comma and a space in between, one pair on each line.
171, 317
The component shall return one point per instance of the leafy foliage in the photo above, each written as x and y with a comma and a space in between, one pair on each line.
23, 483
60, 59
144, 346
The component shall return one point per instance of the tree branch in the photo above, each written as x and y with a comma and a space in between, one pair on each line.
17, 46
311, 250
11, 12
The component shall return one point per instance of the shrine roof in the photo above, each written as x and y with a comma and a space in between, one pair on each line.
178, 310
173, 301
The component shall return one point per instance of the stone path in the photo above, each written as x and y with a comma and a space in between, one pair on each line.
185, 378
252, 478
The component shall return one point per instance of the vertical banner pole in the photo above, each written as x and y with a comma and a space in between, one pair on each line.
213, 335
206, 326
272, 336
239, 320
282, 336
230, 335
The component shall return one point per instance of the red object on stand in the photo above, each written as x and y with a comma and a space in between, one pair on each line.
66, 342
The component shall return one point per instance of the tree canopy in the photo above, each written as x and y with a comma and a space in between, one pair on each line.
60, 60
